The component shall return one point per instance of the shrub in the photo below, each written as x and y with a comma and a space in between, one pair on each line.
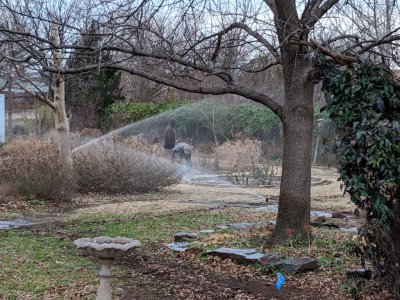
207, 120
113, 168
204, 121
120, 114
30, 167
238, 155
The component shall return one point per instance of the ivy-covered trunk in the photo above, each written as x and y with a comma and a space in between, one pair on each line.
364, 103
294, 200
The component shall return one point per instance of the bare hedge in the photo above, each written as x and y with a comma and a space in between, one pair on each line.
30, 167
110, 168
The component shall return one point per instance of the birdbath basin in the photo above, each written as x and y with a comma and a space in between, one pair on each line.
105, 250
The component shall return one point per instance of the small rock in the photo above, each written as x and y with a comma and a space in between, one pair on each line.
362, 273
271, 222
185, 236
270, 258
338, 215
242, 256
297, 265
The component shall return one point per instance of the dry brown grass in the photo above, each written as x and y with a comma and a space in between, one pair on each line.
113, 168
231, 156
185, 197
30, 167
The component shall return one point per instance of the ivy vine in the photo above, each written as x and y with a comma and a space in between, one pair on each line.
363, 101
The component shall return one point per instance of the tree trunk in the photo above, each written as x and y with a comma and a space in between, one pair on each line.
62, 124
61, 120
294, 199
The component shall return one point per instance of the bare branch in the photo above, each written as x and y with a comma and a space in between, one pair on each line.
216, 90
318, 12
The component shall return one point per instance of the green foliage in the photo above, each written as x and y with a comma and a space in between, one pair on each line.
363, 102
249, 120
119, 114
204, 121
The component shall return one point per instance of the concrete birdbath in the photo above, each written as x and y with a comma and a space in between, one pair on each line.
105, 250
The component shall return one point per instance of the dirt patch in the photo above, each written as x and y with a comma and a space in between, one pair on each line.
169, 277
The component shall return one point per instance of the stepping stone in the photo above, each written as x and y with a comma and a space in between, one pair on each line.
241, 256
185, 236
179, 246
297, 265
362, 273
183, 247
236, 226
272, 207
270, 259
349, 229
207, 231
320, 213
222, 226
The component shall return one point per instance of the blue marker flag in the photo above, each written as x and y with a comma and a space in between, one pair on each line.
280, 281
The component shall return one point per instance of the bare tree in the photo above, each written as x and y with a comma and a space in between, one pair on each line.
207, 47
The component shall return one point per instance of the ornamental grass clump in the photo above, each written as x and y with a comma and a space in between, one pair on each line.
112, 168
31, 168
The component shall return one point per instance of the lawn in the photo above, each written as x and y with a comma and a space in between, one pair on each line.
41, 262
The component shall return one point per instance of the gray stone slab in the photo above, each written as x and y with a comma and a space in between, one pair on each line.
362, 273
8, 224
272, 207
349, 229
222, 226
270, 259
178, 246
207, 231
242, 256
297, 265
236, 226
320, 213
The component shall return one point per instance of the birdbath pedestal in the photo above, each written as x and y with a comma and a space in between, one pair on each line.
105, 250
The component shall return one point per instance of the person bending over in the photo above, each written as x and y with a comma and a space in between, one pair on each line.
183, 151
